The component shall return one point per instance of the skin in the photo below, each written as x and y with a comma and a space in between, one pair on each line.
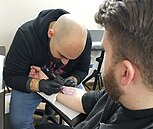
73, 95
108, 69
67, 40
127, 86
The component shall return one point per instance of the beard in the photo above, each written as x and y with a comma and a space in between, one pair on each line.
111, 85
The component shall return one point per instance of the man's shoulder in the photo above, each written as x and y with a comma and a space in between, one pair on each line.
27, 25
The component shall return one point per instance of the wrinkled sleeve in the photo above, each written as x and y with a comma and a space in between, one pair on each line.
89, 100
17, 62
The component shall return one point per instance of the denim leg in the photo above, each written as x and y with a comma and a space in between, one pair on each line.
22, 108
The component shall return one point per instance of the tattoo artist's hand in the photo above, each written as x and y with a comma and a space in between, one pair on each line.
49, 87
42, 83
37, 73
70, 81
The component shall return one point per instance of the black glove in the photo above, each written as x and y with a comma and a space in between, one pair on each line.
69, 82
49, 87
59, 79
52, 76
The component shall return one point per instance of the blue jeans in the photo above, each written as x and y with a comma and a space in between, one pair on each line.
22, 108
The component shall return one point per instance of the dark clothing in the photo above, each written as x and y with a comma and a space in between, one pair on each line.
108, 114
30, 46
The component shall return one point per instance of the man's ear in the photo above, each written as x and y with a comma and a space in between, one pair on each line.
50, 33
128, 73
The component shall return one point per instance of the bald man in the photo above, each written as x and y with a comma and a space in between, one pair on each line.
56, 41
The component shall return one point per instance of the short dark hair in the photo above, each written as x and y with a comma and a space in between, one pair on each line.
130, 27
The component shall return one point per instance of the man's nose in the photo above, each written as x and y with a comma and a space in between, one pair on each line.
64, 61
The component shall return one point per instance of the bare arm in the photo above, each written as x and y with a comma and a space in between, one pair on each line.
72, 98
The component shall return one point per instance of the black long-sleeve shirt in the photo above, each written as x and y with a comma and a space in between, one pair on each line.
30, 47
104, 113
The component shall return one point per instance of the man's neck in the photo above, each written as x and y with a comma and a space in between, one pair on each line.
138, 101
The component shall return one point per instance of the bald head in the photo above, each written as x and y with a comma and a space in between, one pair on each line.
68, 26
69, 36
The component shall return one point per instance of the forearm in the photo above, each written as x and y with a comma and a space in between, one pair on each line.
72, 100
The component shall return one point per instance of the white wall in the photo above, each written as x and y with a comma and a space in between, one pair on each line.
13, 13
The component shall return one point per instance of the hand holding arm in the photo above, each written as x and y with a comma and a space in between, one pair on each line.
40, 82
37, 73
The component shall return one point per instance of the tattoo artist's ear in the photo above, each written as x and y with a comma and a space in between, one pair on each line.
50, 33
128, 73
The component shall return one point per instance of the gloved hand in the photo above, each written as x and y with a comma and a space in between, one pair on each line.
49, 87
69, 82
52, 76
59, 79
